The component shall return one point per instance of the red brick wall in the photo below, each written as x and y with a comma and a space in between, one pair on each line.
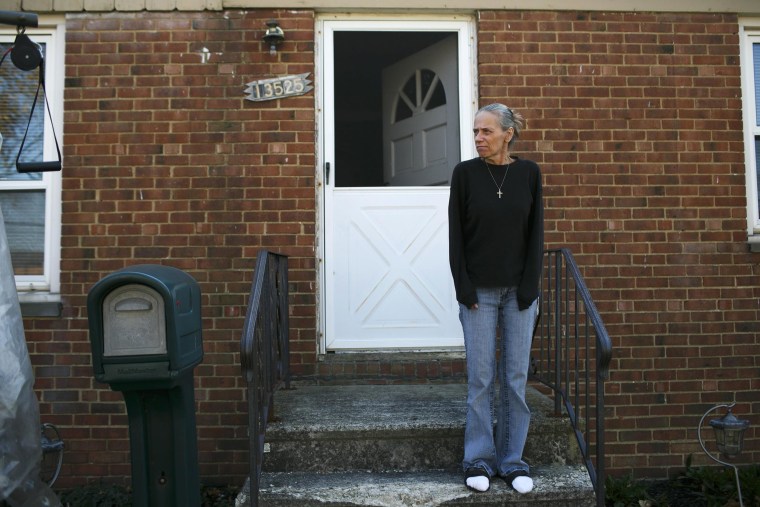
636, 121
634, 118
167, 163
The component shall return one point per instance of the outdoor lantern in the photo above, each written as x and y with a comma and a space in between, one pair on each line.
274, 36
729, 436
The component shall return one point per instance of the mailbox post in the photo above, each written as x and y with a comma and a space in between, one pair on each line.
145, 332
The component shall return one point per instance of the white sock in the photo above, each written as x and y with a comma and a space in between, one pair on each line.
480, 483
522, 484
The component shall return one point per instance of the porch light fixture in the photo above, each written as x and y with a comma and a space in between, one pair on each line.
274, 36
729, 437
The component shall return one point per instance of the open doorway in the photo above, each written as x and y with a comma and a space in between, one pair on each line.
360, 58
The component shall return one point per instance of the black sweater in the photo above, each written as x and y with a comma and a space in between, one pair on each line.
496, 242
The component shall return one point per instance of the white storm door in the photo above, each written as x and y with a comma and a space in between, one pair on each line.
387, 282
419, 97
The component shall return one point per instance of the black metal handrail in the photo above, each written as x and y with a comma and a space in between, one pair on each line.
264, 353
573, 357
572, 346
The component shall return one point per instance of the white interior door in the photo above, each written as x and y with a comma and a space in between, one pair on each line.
419, 99
387, 283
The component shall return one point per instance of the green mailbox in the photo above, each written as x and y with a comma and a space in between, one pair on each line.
145, 325
145, 332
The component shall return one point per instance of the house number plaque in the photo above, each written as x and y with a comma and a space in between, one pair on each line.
279, 87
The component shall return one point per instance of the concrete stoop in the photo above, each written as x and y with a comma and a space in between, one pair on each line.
401, 446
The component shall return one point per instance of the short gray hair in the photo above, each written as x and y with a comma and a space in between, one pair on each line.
507, 117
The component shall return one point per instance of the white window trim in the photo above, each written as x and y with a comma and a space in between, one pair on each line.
749, 33
46, 288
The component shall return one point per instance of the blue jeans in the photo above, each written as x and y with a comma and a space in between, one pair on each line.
501, 454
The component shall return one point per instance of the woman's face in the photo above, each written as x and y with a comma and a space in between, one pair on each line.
490, 140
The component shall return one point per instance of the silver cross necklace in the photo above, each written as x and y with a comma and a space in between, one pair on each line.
498, 187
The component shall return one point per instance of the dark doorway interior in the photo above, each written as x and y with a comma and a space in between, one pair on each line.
359, 60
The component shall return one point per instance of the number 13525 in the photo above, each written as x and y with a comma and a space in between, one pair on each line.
285, 86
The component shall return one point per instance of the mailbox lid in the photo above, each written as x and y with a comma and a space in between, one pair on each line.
134, 322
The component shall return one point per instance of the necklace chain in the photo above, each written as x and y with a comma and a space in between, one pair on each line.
498, 187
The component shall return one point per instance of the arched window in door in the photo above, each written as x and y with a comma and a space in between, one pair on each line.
423, 91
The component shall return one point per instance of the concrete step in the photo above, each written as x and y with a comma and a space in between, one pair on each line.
557, 485
324, 429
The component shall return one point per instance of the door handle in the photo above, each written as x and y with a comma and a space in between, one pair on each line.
327, 173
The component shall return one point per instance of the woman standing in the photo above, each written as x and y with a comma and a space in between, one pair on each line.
496, 237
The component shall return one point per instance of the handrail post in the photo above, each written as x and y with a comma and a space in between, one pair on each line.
284, 318
558, 276
264, 353
600, 474
567, 368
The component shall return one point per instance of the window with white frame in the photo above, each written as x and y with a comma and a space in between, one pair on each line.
750, 69
31, 202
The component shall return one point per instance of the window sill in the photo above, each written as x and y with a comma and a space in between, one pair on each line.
753, 241
40, 304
